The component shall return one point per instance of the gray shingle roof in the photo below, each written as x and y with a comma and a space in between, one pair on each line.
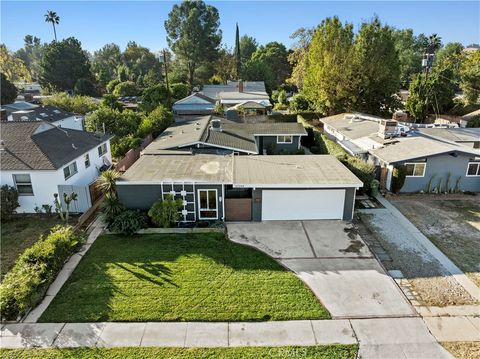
51, 113
36, 145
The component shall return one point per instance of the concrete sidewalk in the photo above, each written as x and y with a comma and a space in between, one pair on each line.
378, 338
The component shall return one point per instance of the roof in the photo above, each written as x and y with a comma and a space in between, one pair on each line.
19, 106
471, 115
249, 104
232, 86
317, 171
353, 125
292, 171
195, 98
197, 168
51, 113
227, 97
453, 134
411, 148
37, 145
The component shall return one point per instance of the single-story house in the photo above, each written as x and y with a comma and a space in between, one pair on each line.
469, 117
429, 161
247, 188
195, 104
25, 111
40, 159
210, 134
466, 136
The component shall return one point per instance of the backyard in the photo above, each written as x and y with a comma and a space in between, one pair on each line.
19, 233
452, 225
196, 277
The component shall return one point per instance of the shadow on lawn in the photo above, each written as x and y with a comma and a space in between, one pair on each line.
157, 270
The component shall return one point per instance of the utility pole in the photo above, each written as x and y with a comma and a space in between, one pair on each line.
427, 64
166, 73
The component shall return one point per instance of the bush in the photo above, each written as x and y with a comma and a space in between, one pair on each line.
111, 208
155, 122
112, 84
126, 88
121, 145
8, 90
398, 178
179, 90
111, 101
154, 96
9, 201
85, 87
298, 103
77, 104
26, 283
474, 122
361, 169
280, 107
129, 222
165, 213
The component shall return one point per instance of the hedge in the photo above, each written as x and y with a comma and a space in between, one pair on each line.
26, 283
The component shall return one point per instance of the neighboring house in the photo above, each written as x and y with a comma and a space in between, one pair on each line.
209, 134
249, 188
231, 94
24, 111
40, 159
428, 160
468, 117
465, 136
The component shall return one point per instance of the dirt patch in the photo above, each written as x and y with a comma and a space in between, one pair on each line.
452, 225
463, 350
430, 281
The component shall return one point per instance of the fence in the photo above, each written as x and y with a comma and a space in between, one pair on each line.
131, 156
83, 202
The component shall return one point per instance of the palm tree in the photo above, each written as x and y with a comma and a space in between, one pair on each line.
51, 16
107, 183
435, 43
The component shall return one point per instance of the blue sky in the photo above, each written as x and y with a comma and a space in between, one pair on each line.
96, 23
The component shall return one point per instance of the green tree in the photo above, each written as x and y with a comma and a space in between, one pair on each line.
226, 66
104, 64
193, 35
111, 101
31, 54
155, 122
410, 49
141, 63
179, 90
154, 96
238, 55
13, 67
470, 78
8, 90
376, 69
327, 82
54, 19
115, 122
85, 87
76, 104
127, 88
297, 58
299, 103
248, 45
255, 70
275, 55
63, 64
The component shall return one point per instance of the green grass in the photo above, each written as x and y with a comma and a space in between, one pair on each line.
322, 352
20, 233
201, 277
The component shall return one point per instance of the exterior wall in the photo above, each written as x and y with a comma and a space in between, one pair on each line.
440, 166
265, 141
349, 204
257, 205
193, 109
45, 183
75, 123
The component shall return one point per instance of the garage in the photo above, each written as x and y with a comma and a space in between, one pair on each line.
302, 204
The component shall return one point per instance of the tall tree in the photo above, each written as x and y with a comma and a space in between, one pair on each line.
31, 53
8, 90
297, 58
13, 67
248, 45
238, 56
226, 66
451, 56
470, 78
376, 69
105, 62
193, 35
141, 63
63, 64
328, 71
54, 19
274, 54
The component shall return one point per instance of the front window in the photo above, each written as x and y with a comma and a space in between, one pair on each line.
87, 160
285, 139
473, 169
70, 170
102, 150
415, 169
208, 204
23, 183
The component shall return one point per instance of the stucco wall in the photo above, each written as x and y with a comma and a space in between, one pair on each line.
440, 166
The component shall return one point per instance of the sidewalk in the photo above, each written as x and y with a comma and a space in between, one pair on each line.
378, 338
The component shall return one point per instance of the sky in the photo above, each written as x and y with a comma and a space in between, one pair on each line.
96, 23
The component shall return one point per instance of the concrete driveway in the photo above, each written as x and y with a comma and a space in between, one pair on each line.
332, 259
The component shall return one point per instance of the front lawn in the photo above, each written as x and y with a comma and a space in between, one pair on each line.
20, 233
336, 351
200, 277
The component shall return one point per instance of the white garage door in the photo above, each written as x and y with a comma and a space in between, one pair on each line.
302, 204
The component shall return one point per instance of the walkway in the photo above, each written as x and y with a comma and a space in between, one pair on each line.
377, 338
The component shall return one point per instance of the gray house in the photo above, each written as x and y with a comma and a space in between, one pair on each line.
209, 134
247, 188
427, 160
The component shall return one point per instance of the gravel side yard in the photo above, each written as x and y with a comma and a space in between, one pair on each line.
452, 225
429, 279
197, 277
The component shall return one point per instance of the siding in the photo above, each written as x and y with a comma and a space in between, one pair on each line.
265, 141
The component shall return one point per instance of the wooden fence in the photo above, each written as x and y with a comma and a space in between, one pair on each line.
131, 156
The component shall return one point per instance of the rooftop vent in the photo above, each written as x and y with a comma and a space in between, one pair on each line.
216, 125
43, 114
57, 111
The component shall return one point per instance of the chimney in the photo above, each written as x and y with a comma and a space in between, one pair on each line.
240, 86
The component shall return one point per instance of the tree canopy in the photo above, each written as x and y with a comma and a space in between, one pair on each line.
8, 90
470, 78
31, 53
274, 55
12, 67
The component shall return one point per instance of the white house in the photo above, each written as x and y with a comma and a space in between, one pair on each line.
40, 159
24, 111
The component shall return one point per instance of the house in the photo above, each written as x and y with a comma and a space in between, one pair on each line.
469, 117
249, 188
24, 111
228, 95
210, 134
40, 159
427, 160
465, 136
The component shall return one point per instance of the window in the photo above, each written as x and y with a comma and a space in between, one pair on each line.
23, 183
86, 158
70, 170
208, 204
415, 169
285, 139
473, 169
102, 150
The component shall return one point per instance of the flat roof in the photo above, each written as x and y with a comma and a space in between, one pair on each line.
458, 134
353, 127
289, 171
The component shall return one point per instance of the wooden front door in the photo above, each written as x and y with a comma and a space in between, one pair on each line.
238, 209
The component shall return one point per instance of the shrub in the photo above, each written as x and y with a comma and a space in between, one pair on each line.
85, 87
111, 208
155, 122
280, 107
77, 104
298, 103
121, 145
154, 96
111, 101
179, 90
112, 84
361, 169
474, 122
26, 283
129, 222
126, 88
165, 213
9, 201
